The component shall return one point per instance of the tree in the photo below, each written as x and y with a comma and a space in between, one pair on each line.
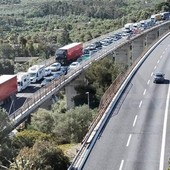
73, 125
99, 77
6, 153
43, 155
27, 138
43, 121
6, 66
64, 37
6, 51
5, 125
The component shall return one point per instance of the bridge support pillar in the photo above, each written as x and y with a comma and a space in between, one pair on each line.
151, 37
71, 92
138, 46
122, 55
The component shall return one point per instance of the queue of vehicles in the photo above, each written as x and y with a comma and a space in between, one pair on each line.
70, 57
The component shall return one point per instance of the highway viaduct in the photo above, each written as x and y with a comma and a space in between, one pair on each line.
125, 51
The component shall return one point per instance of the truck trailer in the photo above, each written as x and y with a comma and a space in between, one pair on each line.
8, 87
23, 80
69, 53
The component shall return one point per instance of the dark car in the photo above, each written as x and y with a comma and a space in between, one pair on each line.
98, 44
159, 78
64, 69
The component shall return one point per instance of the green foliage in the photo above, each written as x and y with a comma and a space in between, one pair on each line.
73, 125
43, 121
27, 138
65, 126
43, 155
8, 2
6, 66
99, 77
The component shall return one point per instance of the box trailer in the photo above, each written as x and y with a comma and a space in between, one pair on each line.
69, 53
8, 87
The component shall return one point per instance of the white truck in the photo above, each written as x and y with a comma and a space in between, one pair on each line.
128, 27
23, 80
37, 72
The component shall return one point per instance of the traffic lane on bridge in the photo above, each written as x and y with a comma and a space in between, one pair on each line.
110, 149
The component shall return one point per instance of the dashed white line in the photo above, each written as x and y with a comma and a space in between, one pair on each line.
161, 164
158, 61
121, 165
152, 74
148, 82
155, 67
140, 104
128, 140
144, 92
161, 56
165, 49
163, 52
134, 122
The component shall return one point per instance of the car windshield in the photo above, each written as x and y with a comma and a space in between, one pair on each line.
159, 75
74, 64
47, 80
55, 65
32, 74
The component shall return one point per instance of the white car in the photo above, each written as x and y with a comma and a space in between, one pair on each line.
55, 66
74, 65
47, 71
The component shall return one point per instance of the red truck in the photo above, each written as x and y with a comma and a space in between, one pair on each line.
8, 87
69, 53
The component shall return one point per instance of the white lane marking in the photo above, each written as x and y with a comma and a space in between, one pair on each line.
134, 122
155, 67
161, 163
121, 165
140, 104
148, 82
151, 74
163, 52
128, 140
158, 61
161, 56
144, 92
165, 49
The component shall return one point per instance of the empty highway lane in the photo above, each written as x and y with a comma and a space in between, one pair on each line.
137, 136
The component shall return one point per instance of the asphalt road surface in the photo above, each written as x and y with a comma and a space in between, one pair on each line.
137, 135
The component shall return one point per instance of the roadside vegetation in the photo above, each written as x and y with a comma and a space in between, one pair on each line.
37, 29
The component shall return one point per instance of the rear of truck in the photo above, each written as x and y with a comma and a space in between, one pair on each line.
8, 87
69, 53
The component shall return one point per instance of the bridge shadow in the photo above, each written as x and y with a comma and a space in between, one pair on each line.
30, 89
14, 105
